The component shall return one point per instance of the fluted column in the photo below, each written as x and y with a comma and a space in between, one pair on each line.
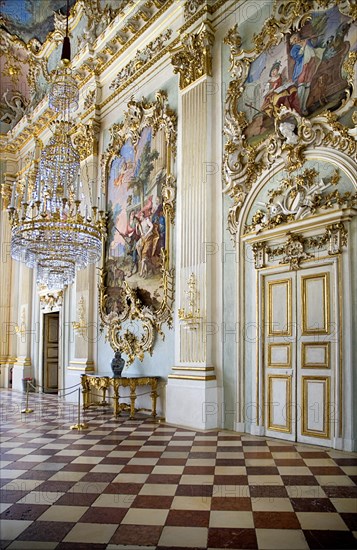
192, 382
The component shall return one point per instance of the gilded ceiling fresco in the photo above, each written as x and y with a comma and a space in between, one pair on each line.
29, 19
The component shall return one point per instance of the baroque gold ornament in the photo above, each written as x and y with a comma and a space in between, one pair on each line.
289, 116
193, 58
136, 288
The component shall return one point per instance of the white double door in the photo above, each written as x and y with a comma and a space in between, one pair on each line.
300, 353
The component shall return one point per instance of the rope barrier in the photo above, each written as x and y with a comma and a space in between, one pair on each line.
64, 395
79, 425
29, 384
58, 389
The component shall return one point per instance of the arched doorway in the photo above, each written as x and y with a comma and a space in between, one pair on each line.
294, 290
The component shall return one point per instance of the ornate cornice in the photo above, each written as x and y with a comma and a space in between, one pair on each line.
193, 58
142, 57
100, 61
89, 67
298, 248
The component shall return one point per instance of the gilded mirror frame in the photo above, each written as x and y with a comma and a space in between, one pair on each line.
133, 326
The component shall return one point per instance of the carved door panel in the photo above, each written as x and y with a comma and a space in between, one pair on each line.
279, 354
300, 354
50, 353
317, 354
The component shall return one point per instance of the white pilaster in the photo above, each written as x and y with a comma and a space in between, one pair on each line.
193, 398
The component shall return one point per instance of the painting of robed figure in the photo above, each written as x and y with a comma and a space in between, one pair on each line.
137, 224
304, 73
136, 288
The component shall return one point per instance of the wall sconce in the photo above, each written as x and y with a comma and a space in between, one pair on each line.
192, 317
21, 329
81, 327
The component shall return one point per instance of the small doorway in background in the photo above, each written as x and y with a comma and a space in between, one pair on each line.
50, 352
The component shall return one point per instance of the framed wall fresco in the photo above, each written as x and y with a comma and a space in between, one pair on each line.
136, 286
289, 92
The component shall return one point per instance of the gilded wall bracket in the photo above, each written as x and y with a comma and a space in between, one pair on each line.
191, 316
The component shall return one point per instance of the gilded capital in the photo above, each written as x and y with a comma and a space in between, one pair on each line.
193, 58
85, 139
7, 183
6, 191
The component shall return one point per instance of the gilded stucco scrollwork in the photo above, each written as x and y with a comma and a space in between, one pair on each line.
192, 7
298, 248
51, 300
299, 197
98, 17
85, 139
136, 290
193, 58
89, 99
282, 114
142, 57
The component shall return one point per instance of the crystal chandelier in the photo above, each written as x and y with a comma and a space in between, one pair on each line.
51, 228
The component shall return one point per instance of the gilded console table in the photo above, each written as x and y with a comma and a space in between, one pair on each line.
102, 383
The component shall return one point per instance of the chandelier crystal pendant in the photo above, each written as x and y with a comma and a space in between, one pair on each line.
53, 230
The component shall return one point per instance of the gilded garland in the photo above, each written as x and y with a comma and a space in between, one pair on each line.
136, 285
280, 100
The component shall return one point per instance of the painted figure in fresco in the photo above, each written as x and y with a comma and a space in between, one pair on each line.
17, 105
158, 219
274, 82
149, 229
131, 237
307, 59
278, 91
119, 179
146, 228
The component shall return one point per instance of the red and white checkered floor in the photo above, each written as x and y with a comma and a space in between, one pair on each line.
138, 484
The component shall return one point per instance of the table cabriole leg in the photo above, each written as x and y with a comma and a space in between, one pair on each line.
132, 401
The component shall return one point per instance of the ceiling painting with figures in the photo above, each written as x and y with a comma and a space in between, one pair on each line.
304, 72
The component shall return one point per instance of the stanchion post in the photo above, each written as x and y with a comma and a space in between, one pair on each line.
79, 425
27, 410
